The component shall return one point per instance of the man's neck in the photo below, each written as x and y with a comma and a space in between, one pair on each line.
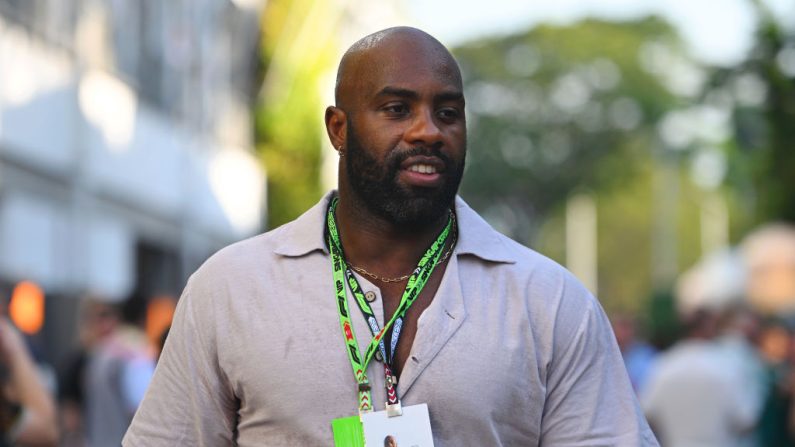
381, 246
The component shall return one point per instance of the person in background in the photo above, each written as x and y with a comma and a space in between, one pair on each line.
638, 355
97, 321
775, 340
737, 333
117, 374
692, 396
27, 410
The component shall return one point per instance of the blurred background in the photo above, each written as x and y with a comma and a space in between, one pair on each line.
648, 146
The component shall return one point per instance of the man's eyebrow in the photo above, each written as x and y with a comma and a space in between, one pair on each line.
399, 92
455, 95
450, 96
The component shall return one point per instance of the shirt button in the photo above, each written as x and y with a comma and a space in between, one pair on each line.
378, 356
370, 296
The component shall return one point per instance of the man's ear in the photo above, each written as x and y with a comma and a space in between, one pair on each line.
336, 126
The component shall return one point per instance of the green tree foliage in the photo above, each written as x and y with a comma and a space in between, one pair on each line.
762, 154
564, 109
557, 109
295, 54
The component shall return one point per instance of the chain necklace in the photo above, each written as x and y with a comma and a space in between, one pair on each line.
444, 257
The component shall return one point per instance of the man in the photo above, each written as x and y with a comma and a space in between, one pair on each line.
696, 395
638, 355
504, 346
119, 367
27, 410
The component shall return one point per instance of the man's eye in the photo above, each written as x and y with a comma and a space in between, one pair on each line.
448, 113
397, 109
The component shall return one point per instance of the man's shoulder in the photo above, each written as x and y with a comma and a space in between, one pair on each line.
262, 249
527, 257
504, 253
545, 276
529, 279
243, 253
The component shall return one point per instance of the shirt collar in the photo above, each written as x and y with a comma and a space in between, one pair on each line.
475, 236
307, 233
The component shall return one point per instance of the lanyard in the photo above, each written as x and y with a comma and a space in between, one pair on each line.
415, 284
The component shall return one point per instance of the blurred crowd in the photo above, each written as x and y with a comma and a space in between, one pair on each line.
102, 382
90, 397
729, 380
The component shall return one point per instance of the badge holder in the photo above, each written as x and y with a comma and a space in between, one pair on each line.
394, 410
375, 428
411, 429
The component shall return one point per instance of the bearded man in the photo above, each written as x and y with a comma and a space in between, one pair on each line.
389, 301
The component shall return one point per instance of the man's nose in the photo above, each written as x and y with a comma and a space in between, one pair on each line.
423, 129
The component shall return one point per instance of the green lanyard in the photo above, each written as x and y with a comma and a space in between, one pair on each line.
415, 284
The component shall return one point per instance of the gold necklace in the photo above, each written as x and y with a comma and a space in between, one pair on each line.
444, 257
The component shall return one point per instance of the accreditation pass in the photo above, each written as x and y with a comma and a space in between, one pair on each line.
376, 429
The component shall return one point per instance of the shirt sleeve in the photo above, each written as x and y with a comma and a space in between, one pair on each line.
189, 400
589, 401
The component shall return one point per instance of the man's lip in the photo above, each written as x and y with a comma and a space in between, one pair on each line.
436, 162
417, 179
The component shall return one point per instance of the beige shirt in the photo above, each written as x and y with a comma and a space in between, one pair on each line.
512, 351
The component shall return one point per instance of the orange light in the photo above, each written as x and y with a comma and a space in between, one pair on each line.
26, 308
159, 314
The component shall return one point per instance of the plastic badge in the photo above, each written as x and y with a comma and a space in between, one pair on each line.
412, 429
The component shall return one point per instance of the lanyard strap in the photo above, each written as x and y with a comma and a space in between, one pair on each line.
415, 284
372, 323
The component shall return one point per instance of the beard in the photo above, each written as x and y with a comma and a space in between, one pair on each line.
376, 184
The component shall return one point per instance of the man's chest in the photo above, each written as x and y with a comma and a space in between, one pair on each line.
392, 295
288, 363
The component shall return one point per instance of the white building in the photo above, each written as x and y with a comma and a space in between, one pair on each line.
125, 144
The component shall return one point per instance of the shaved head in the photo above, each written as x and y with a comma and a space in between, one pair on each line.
399, 126
384, 49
